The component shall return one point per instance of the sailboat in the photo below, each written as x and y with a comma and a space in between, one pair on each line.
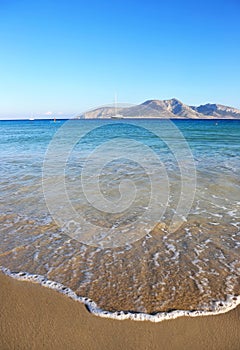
116, 115
31, 118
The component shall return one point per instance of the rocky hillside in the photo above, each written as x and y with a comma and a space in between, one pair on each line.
218, 111
165, 109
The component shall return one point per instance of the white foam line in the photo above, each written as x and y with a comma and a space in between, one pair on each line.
220, 307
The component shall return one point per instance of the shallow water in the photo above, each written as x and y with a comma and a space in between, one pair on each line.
148, 271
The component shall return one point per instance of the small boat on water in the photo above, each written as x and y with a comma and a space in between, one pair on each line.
116, 115
31, 117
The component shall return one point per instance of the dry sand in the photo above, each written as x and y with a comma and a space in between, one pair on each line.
35, 317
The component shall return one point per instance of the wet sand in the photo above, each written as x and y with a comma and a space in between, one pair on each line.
35, 317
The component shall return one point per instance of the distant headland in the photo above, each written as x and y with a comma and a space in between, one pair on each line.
163, 109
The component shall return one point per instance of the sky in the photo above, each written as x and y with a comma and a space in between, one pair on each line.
65, 57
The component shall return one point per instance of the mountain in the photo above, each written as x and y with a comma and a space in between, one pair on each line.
174, 107
164, 109
218, 111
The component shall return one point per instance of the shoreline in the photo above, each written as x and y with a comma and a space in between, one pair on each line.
220, 307
33, 317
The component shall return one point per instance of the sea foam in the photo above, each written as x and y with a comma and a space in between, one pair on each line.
218, 307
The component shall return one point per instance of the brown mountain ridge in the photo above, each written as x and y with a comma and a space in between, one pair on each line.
164, 109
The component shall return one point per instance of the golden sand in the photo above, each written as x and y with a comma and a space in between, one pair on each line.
35, 317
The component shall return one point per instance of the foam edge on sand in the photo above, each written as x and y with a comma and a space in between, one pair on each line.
218, 307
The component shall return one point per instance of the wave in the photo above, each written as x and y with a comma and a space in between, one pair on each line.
219, 307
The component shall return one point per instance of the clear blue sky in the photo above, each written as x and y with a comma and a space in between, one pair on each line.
69, 56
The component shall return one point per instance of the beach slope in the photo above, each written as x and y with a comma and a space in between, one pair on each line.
35, 317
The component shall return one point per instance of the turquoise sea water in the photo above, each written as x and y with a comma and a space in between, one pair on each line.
152, 268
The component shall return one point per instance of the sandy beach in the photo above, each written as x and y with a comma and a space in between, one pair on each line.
119, 175
35, 317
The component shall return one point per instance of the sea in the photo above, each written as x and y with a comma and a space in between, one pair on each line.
136, 218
